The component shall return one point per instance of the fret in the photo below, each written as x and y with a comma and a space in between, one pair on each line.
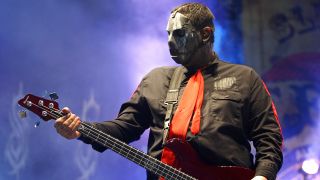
128, 153
168, 174
171, 172
136, 156
144, 162
163, 170
116, 148
149, 164
139, 162
120, 149
105, 143
157, 168
131, 153
97, 139
174, 174
113, 145
125, 150
88, 134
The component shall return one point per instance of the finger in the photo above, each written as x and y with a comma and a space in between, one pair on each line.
58, 123
63, 118
66, 132
69, 120
61, 131
77, 126
78, 134
65, 110
66, 116
73, 124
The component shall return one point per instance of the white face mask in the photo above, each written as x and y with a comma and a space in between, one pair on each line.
183, 38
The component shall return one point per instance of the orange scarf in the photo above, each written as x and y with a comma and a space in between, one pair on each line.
188, 108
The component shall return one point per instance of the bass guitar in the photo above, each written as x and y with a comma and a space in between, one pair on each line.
188, 166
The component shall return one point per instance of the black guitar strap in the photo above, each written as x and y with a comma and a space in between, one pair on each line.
172, 99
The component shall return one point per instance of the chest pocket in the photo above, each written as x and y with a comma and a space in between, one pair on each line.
225, 106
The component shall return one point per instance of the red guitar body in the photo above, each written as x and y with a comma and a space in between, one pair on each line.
187, 160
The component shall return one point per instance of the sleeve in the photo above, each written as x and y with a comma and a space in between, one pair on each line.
134, 117
265, 130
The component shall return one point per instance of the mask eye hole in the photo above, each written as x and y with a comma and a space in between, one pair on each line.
179, 32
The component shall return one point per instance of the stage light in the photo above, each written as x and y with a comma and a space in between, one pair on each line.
310, 166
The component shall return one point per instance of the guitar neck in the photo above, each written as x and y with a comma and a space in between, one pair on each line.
131, 153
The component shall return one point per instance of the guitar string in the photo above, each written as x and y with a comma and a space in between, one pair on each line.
56, 113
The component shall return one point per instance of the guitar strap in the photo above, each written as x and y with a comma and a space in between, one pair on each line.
172, 99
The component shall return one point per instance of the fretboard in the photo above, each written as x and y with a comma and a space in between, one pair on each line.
133, 154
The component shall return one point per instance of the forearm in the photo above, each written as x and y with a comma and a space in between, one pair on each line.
267, 140
265, 131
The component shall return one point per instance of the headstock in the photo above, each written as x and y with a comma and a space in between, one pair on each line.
44, 108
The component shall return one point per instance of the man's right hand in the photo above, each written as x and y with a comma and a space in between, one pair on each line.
67, 125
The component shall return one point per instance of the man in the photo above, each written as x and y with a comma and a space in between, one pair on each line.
232, 105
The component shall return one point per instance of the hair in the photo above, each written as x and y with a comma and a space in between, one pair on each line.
200, 15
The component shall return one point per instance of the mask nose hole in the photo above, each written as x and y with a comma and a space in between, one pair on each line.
171, 45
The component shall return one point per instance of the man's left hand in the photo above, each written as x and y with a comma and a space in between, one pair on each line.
259, 178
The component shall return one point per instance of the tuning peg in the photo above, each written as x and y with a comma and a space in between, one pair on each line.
54, 96
22, 114
36, 124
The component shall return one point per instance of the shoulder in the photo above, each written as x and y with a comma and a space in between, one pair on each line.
239, 70
246, 77
162, 70
158, 77
239, 67
154, 85
160, 73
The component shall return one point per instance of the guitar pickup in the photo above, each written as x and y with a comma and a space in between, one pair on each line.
22, 114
